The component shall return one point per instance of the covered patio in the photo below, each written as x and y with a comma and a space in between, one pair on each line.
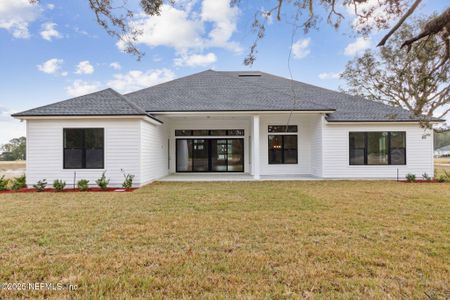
178, 177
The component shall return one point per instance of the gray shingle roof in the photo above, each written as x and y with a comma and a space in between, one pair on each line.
216, 91
226, 91
102, 103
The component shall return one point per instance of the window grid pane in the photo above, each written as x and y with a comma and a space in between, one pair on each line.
83, 148
377, 148
282, 128
282, 149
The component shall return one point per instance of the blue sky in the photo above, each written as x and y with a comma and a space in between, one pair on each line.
56, 50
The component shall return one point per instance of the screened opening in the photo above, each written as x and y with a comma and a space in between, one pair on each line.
83, 148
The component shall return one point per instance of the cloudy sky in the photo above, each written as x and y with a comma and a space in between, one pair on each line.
55, 50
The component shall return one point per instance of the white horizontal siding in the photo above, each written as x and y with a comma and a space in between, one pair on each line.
419, 152
154, 160
316, 146
45, 150
306, 131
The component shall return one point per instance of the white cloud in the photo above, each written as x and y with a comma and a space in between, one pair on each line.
224, 18
329, 75
16, 15
357, 46
5, 113
51, 6
173, 28
300, 49
115, 65
49, 31
84, 67
196, 60
51, 66
11, 128
80, 87
135, 80
183, 29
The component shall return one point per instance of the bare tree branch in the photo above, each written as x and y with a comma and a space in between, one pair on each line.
399, 23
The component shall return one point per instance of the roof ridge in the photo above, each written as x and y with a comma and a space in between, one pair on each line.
280, 91
135, 106
339, 92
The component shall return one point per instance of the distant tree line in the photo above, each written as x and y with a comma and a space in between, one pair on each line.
14, 150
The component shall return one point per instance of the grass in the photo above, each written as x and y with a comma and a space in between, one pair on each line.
324, 239
12, 165
441, 164
12, 168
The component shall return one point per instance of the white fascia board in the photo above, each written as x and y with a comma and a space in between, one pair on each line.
144, 118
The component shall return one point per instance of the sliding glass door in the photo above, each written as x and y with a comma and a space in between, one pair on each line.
210, 155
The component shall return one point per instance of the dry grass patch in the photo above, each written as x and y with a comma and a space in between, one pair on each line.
338, 239
12, 165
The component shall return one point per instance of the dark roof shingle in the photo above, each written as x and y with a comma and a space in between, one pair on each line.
226, 91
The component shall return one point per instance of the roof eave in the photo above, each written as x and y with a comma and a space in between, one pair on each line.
152, 119
384, 121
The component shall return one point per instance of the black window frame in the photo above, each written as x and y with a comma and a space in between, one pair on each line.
83, 148
366, 147
283, 158
209, 132
282, 128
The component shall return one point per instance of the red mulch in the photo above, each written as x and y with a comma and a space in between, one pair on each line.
92, 190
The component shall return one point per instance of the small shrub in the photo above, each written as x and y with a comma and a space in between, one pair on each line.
443, 179
59, 185
83, 185
410, 177
426, 177
40, 185
19, 183
102, 182
3, 183
128, 182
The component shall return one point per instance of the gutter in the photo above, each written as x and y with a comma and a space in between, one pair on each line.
150, 118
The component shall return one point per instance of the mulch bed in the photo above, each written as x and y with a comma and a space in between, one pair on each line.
92, 190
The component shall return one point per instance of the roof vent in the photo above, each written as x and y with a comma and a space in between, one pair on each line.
249, 74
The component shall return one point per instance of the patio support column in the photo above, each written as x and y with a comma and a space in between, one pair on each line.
255, 147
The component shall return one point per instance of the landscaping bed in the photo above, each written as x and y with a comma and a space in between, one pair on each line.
92, 190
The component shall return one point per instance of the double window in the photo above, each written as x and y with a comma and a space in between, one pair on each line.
377, 148
84, 148
283, 144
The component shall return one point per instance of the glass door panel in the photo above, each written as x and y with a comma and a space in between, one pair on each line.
219, 155
235, 155
200, 156
184, 155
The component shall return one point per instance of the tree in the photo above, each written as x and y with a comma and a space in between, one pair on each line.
15, 149
115, 18
417, 80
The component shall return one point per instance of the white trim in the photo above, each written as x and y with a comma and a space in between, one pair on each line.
147, 119
399, 122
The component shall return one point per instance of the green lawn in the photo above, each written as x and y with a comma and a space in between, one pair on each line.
323, 239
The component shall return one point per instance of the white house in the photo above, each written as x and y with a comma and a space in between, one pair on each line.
253, 123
